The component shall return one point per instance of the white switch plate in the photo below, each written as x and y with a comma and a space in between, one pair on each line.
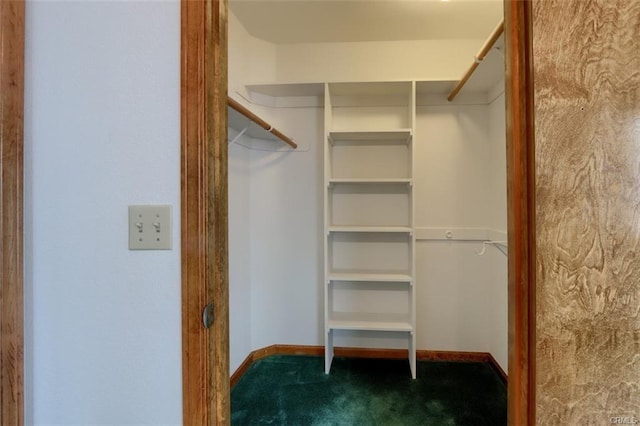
150, 227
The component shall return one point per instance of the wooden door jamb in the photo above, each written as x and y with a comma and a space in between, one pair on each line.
204, 229
521, 211
12, 27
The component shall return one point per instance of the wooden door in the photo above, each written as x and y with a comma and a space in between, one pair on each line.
204, 208
11, 208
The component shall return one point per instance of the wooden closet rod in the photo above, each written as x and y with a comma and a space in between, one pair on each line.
478, 58
260, 122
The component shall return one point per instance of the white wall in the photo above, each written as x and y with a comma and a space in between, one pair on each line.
256, 61
241, 47
375, 61
249, 58
498, 161
286, 221
275, 217
460, 182
451, 166
103, 335
454, 298
498, 215
240, 314
275, 213
450, 184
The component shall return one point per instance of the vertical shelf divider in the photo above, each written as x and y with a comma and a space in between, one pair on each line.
412, 288
328, 333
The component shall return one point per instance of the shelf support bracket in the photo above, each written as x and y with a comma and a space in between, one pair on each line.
239, 135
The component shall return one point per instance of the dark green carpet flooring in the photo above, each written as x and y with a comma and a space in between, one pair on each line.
293, 390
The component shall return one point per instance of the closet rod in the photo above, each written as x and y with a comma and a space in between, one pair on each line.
478, 58
260, 122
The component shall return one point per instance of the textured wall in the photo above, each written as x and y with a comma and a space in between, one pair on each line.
587, 130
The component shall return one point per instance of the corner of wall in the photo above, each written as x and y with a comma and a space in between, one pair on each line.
251, 60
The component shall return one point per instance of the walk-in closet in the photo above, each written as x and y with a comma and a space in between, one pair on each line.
367, 190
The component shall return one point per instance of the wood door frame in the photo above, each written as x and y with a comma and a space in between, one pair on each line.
204, 212
204, 250
12, 34
520, 210
520, 205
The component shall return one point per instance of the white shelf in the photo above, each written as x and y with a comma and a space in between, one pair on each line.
370, 277
370, 244
384, 229
287, 89
338, 88
486, 77
369, 321
402, 136
406, 181
370, 88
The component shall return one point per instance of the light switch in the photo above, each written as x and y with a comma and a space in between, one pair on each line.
150, 227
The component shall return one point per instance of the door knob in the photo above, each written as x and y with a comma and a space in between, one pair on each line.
207, 316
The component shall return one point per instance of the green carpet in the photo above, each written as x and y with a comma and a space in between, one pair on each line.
293, 390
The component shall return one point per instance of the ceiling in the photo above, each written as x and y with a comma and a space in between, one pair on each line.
312, 21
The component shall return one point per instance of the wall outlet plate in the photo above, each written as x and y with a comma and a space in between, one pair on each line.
150, 227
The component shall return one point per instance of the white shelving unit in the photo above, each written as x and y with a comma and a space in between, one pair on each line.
368, 198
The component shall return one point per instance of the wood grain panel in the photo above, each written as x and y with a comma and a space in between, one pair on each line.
587, 131
204, 212
11, 209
